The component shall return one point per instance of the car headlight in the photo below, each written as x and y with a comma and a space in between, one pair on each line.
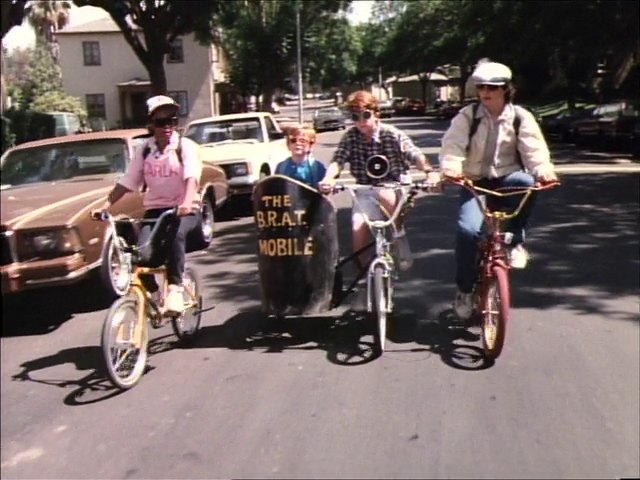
49, 243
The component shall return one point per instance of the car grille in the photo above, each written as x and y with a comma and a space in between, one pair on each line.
7, 248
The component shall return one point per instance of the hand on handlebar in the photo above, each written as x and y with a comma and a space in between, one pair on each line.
184, 210
326, 186
100, 213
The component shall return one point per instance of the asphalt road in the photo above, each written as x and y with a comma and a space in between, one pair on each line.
306, 399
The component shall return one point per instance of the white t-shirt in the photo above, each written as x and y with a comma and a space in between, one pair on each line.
162, 172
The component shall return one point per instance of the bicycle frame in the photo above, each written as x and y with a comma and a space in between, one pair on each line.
125, 254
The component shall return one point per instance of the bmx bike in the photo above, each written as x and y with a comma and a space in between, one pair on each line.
492, 290
125, 335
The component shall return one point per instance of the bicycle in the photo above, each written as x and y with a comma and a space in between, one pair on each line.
492, 291
382, 268
125, 335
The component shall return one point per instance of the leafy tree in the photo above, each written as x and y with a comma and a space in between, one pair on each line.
150, 26
59, 102
259, 38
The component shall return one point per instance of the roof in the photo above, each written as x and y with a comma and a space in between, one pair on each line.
433, 77
107, 134
101, 25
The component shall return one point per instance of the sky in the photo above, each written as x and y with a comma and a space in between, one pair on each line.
24, 37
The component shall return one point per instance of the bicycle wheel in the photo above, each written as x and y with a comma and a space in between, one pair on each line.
379, 301
124, 343
186, 326
495, 312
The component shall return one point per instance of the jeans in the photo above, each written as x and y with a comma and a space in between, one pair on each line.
471, 220
168, 247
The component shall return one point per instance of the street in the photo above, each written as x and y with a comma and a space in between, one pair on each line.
306, 399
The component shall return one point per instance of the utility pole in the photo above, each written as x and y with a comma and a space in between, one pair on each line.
299, 68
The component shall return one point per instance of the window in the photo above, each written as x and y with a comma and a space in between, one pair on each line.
96, 105
176, 53
182, 98
91, 53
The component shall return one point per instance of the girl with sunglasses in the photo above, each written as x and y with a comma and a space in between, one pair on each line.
169, 166
506, 149
301, 165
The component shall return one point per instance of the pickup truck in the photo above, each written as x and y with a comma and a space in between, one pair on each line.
247, 146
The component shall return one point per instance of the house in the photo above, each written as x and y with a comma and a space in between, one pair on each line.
100, 67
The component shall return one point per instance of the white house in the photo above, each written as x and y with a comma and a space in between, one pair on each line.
100, 67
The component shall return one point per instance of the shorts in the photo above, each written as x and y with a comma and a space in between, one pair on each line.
368, 204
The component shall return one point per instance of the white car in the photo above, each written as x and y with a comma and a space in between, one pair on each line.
247, 146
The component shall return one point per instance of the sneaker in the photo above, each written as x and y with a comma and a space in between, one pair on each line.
175, 299
463, 305
518, 257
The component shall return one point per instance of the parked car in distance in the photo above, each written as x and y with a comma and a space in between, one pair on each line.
328, 118
608, 126
448, 109
635, 139
386, 108
247, 146
408, 106
49, 186
559, 125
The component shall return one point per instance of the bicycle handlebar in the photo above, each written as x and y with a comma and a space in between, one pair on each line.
105, 216
408, 191
501, 192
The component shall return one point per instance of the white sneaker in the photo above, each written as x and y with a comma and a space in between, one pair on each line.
518, 257
463, 305
175, 299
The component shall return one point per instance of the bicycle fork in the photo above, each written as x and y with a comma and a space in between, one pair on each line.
386, 276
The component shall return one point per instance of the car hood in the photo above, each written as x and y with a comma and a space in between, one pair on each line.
230, 152
51, 203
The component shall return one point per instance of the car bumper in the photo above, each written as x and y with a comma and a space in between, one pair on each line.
18, 277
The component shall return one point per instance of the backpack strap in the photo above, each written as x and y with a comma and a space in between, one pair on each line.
474, 122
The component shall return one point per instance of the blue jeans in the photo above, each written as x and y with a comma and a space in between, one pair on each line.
471, 220
169, 246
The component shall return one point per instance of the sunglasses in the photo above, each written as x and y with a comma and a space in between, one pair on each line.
300, 140
165, 122
488, 87
363, 115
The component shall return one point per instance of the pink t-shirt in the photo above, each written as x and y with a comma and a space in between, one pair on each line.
162, 172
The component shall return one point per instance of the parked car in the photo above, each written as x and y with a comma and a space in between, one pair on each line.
386, 109
609, 125
49, 187
448, 110
409, 106
635, 139
559, 125
247, 146
328, 118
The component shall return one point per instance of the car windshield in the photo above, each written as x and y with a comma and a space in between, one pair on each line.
225, 130
63, 161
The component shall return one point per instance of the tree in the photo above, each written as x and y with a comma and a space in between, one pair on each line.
259, 38
47, 17
151, 26
12, 14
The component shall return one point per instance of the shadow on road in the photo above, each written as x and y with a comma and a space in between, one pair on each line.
42, 311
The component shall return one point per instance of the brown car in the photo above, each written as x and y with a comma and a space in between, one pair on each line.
48, 189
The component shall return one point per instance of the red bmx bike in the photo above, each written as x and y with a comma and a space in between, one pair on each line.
492, 291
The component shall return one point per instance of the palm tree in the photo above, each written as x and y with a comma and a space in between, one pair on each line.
47, 17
